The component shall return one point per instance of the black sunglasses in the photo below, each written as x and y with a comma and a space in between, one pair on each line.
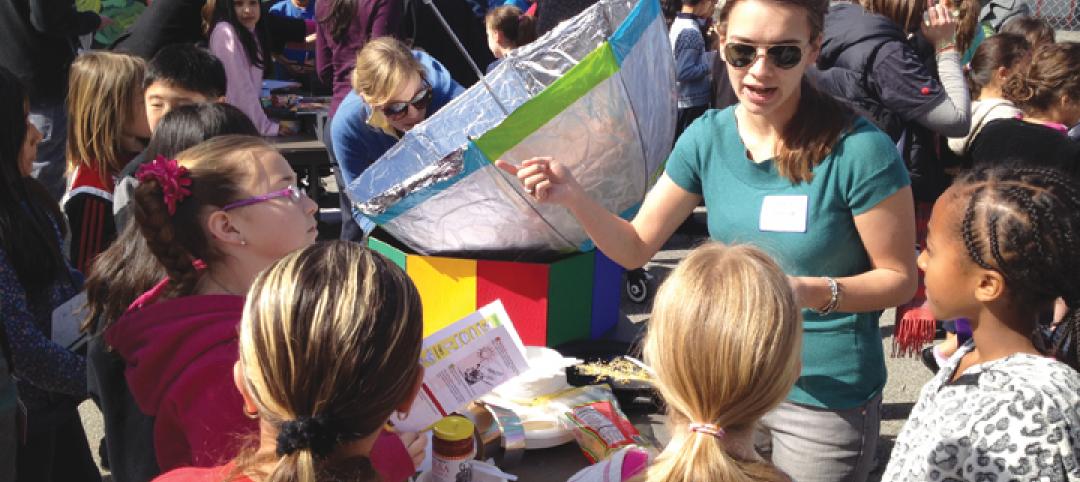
420, 101
740, 55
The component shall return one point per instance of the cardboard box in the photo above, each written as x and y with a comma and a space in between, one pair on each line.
573, 298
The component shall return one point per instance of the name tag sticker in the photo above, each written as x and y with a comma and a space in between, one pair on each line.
784, 214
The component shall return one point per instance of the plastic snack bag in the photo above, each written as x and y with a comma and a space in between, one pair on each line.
599, 426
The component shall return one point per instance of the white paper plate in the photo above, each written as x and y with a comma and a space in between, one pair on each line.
542, 434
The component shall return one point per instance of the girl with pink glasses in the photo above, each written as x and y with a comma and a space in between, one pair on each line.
213, 219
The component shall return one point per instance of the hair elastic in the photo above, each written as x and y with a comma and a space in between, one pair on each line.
171, 176
317, 434
707, 429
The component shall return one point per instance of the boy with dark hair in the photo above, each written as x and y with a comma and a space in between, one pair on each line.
181, 74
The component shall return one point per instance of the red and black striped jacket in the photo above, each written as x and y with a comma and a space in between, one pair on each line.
88, 207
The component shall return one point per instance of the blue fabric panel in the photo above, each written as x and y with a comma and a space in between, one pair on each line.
631, 30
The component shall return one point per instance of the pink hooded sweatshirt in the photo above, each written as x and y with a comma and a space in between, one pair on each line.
179, 357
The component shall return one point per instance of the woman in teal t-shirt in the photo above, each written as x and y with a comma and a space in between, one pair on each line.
824, 192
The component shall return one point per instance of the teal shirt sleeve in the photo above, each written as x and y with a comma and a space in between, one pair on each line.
684, 165
874, 170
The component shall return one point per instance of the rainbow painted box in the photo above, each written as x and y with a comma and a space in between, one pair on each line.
573, 298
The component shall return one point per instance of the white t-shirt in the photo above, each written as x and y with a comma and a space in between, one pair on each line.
1016, 418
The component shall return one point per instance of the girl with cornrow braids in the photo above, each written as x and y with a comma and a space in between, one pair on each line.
227, 209
349, 317
1002, 247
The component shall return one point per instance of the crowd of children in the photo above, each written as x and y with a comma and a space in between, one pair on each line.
224, 343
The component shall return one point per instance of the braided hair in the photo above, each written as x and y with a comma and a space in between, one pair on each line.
127, 268
178, 240
1023, 223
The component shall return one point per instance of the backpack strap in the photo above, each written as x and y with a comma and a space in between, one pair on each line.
865, 77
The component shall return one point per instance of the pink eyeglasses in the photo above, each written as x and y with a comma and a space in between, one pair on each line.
292, 192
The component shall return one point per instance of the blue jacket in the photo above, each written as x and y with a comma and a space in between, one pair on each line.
693, 61
285, 8
358, 144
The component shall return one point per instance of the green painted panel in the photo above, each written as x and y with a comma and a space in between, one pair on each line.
570, 299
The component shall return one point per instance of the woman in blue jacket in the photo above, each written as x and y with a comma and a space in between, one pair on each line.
394, 89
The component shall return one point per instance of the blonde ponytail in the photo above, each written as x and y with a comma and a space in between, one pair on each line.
295, 467
735, 301
695, 457
321, 329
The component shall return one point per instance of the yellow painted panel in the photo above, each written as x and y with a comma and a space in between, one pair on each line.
447, 287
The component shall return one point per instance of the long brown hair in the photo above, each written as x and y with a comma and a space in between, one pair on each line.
29, 216
724, 340
819, 120
330, 337
967, 24
1046, 79
102, 90
907, 14
118, 276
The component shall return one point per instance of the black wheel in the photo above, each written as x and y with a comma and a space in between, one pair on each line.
637, 287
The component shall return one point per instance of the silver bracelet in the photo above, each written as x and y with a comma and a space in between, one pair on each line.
834, 300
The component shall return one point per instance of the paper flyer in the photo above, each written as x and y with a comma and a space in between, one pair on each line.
67, 320
463, 362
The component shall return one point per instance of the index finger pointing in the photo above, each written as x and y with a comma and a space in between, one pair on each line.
507, 167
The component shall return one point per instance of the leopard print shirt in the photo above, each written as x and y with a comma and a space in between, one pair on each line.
1013, 419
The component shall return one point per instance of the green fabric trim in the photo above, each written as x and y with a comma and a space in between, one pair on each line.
395, 255
578, 81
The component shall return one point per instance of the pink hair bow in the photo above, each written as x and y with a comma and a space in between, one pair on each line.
172, 177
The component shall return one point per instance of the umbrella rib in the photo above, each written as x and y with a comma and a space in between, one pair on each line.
641, 139
499, 174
